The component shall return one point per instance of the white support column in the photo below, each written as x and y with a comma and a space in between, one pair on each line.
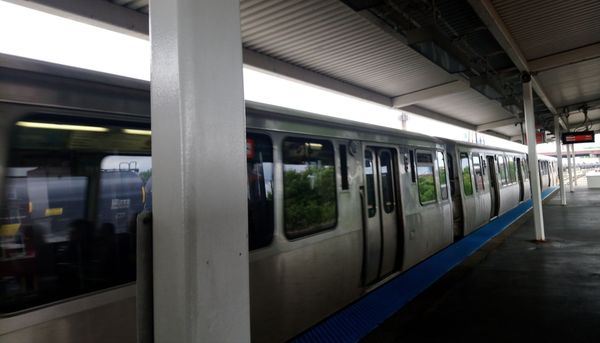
536, 196
574, 157
563, 198
201, 285
570, 167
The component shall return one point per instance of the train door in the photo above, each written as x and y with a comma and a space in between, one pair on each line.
381, 213
493, 180
520, 179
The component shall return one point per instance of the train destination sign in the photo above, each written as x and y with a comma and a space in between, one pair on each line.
578, 137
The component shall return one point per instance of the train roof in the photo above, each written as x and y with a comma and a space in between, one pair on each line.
261, 109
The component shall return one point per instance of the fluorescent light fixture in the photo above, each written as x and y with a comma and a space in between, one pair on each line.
30, 33
35, 125
137, 132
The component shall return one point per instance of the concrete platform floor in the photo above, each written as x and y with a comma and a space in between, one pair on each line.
515, 290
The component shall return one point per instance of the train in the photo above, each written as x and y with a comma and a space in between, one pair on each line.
335, 208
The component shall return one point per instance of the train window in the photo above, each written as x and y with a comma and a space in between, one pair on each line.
442, 175
344, 166
466, 173
425, 177
308, 186
525, 169
67, 226
259, 162
477, 173
502, 170
512, 170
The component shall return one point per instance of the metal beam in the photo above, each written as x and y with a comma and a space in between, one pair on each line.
498, 135
487, 13
437, 116
201, 273
100, 13
499, 123
570, 166
565, 58
573, 108
430, 93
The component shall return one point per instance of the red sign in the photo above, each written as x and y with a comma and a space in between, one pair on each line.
250, 148
540, 137
578, 137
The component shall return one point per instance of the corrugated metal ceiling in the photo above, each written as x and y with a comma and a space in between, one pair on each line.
328, 37
572, 84
545, 27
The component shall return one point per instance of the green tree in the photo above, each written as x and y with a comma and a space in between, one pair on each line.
146, 175
310, 199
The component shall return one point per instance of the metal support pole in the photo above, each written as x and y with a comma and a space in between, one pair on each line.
574, 157
563, 198
570, 167
536, 195
200, 219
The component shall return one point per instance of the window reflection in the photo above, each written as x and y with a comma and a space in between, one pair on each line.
67, 222
309, 186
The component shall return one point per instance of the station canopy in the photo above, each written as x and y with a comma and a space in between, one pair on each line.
458, 61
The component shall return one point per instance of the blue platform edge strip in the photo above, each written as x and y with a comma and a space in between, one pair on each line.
363, 316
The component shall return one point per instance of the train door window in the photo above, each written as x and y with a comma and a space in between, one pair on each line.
525, 170
451, 174
68, 227
425, 178
477, 173
308, 186
387, 180
466, 173
370, 180
544, 168
442, 175
413, 174
512, 170
259, 163
344, 166
502, 170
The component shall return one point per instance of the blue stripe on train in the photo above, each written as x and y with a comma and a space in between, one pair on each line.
363, 316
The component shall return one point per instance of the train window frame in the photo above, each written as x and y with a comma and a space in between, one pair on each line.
443, 182
268, 242
478, 172
307, 139
465, 156
430, 164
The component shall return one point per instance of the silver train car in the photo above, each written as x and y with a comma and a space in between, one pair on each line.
336, 208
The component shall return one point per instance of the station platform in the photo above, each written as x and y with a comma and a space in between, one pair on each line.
514, 289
